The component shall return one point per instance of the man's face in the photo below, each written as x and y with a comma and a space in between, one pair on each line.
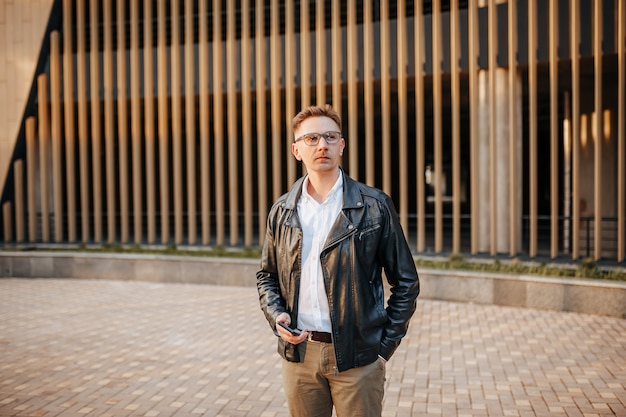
321, 156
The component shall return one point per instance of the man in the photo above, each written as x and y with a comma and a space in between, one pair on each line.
328, 240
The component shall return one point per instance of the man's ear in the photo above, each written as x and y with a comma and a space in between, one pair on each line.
296, 152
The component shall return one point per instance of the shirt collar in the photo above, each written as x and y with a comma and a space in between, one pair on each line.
332, 194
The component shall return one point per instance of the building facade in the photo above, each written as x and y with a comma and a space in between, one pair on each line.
496, 127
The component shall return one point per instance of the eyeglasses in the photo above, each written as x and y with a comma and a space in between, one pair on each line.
313, 139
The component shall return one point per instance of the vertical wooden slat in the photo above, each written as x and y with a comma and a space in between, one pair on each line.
96, 120
190, 122
474, 121
44, 154
246, 119
418, 39
233, 134
7, 221
177, 122
456, 125
290, 88
83, 126
493, 195
305, 54
135, 123
150, 134
18, 181
385, 105
598, 134
56, 135
621, 133
403, 146
575, 54
204, 116
532, 127
320, 53
437, 124
554, 130
163, 116
261, 114
31, 180
109, 120
513, 154
218, 117
276, 112
70, 139
336, 53
122, 123
368, 87
352, 145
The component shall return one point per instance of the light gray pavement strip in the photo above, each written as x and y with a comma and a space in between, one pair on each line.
110, 348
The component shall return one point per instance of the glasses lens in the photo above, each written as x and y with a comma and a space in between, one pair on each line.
332, 137
313, 139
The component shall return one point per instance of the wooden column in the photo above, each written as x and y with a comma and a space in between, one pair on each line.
437, 124
109, 122
70, 137
261, 116
532, 127
7, 221
305, 55
190, 121
83, 124
233, 131
575, 54
403, 110
122, 123
474, 122
136, 133
96, 126
31, 178
43, 118
149, 120
336, 55
290, 88
163, 124
418, 40
177, 122
368, 87
352, 141
320, 53
513, 156
204, 116
455, 96
385, 95
56, 134
18, 198
246, 121
275, 92
218, 118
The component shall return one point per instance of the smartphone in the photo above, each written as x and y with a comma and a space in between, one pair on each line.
295, 332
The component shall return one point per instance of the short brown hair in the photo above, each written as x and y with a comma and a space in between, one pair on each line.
316, 111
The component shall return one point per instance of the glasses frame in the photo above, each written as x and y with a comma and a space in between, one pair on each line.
317, 137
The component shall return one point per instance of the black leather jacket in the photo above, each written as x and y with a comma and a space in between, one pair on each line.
365, 238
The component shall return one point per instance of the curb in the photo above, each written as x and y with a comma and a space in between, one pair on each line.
586, 296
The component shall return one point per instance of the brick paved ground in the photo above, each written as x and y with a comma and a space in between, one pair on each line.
106, 348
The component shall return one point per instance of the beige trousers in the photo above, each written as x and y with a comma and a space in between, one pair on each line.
313, 386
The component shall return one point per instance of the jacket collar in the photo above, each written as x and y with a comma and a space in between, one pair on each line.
352, 197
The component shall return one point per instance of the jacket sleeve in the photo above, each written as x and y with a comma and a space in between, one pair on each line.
399, 266
270, 298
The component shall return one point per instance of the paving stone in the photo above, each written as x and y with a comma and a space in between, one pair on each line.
73, 347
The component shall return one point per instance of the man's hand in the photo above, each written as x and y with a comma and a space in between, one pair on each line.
285, 335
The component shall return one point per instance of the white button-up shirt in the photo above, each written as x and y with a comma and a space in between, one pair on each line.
316, 220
